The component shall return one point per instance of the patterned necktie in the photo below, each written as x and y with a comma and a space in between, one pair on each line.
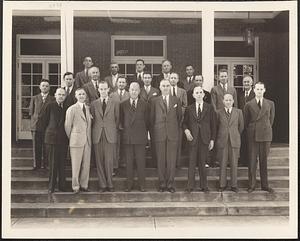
84, 110
199, 111
227, 113
103, 106
133, 105
43, 98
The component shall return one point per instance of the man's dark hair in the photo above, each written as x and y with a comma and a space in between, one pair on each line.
68, 73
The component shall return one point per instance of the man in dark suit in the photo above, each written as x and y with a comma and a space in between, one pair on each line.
199, 126
36, 109
70, 89
105, 114
165, 119
56, 140
259, 114
91, 88
138, 76
198, 81
134, 123
112, 78
230, 124
244, 95
82, 77
218, 92
188, 81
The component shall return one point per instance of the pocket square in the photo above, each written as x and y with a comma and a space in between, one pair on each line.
154, 94
175, 105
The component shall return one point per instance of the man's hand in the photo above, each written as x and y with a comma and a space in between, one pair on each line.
211, 145
188, 135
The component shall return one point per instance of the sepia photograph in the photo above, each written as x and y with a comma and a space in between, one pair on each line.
150, 119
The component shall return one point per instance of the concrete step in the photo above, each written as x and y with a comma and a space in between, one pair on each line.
41, 196
144, 209
151, 182
28, 161
150, 172
27, 152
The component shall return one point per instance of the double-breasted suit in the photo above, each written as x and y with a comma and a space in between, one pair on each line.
81, 78
104, 137
182, 96
228, 143
119, 157
165, 124
242, 100
217, 95
258, 123
91, 92
56, 142
78, 129
135, 122
203, 129
36, 110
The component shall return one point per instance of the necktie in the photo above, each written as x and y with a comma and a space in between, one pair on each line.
103, 106
227, 113
43, 98
199, 111
139, 78
133, 105
224, 88
174, 93
165, 102
121, 95
147, 89
84, 110
97, 88
259, 104
68, 91
246, 94
61, 105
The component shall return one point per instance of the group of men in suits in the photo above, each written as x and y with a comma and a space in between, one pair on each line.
113, 119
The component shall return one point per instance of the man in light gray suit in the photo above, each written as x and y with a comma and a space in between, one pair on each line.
230, 124
119, 95
78, 129
105, 112
182, 96
259, 114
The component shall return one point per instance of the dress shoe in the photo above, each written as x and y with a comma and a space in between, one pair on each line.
171, 189
268, 189
250, 189
222, 189
84, 189
102, 190
234, 189
205, 190
76, 191
110, 189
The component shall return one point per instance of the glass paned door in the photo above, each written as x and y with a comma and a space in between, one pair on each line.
129, 69
30, 74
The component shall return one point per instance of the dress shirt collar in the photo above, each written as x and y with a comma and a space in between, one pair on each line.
224, 86
131, 100
166, 75
230, 109
106, 99
201, 105
44, 95
80, 104
257, 99
139, 73
119, 91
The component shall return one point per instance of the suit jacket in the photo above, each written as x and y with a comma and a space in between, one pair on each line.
81, 79
165, 124
134, 123
134, 78
205, 126
217, 95
116, 97
148, 97
70, 98
229, 128
188, 85
53, 121
242, 100
92, 93
181, 95
191, 99
258, 122
78, 126
107, 122
112, 88
36, 109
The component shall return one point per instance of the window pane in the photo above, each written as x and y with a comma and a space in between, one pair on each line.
52, 90
26, 79
36, 79
53, 79
148, 67
40, 46
238, 81
238, 69
25, 114
36, 90
248, 69
26, 91
156, 68
53, 68
37, 68
130, 68
26, 68
122, 68
233, 49
25, 102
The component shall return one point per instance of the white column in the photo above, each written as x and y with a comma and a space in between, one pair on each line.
67, 37
208, 49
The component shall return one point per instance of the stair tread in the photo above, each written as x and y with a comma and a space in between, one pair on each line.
152, 204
